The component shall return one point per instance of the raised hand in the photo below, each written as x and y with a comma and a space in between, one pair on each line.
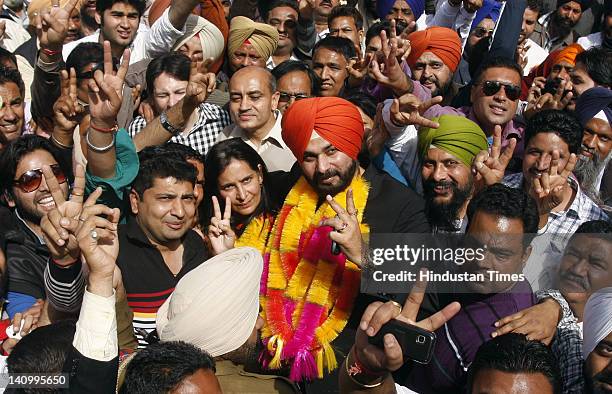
67, 110
521, 54
409, 110
52, 25
401, 43
346, 233
491, 167
220, 232
99, 244
201, 82
59, 226
358, 70
106, 89
306, 9
559, 100
375, 140
386, 69
377, 314
548, 189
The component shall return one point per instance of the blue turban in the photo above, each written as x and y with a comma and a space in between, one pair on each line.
591, 102
384, 6
490, 9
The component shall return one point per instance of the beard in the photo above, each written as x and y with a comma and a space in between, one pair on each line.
439, 90
588, 169
443, 216
562, 25
595, 384
345, 180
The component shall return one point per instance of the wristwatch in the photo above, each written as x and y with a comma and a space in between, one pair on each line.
163, 119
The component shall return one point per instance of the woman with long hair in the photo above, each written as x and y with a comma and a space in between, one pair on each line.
238, 209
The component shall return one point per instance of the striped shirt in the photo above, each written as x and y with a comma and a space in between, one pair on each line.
147, 279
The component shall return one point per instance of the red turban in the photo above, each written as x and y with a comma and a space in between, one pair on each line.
334, 119
441, 41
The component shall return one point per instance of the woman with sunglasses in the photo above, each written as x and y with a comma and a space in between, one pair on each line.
238, 208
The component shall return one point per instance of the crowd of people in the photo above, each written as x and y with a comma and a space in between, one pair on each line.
190, 190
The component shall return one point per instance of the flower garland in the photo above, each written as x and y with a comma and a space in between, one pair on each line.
307, 292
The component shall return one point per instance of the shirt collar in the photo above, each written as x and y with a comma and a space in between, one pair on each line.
510, 129
275, 133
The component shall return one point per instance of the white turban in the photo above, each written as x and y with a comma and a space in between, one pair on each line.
597, 320
210, 36
215, 306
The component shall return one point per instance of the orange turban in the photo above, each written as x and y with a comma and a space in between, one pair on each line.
334, 119
568, 54
441, 41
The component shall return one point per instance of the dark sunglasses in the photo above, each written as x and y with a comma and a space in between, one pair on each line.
30, 180
489, 88
96, 67
286, 97
482, 32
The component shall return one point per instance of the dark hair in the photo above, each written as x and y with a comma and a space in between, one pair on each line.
84, 54
340, 45
175, 64
566, 126
508, 202
282, 3
513, 353
43, 351
217, 159
346, 10
11, 75
153, 166
174, 150
375, 29
290, 66
4, 55
364, 101
103, 5
596, 228
12, 154
161, 367
535, 5
598, 64
497, 61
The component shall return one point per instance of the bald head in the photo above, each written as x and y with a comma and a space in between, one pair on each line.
253, 99
253, 72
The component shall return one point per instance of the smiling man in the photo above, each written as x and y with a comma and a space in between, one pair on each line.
254, 110
12, 92
283, 15
25, 190
119, 22
555, 30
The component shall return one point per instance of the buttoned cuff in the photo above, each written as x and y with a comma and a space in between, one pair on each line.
96, 329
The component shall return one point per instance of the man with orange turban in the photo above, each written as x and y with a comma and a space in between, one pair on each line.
322, 224
434, 56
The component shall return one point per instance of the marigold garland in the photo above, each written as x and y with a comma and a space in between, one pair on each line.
307, 292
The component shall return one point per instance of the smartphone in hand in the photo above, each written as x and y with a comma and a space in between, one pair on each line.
417, 343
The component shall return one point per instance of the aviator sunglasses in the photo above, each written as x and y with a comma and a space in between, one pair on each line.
490, 88
30, 180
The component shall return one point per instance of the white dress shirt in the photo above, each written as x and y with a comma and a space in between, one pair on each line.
96, 329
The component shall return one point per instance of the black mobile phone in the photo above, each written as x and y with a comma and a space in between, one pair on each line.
417, 344
335, 248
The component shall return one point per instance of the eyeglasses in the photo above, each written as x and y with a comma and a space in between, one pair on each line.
482, 32
489, 88
286, 97
96, 67
30, 180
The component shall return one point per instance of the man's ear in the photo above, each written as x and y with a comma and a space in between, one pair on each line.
275, 98
98, 18
134, 201
6, 196
525, 257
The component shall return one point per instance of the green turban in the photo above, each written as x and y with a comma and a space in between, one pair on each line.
456, 135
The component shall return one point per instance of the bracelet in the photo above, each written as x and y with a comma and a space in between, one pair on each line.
50, 52
356, 369
113, 129
56, 142
96, 148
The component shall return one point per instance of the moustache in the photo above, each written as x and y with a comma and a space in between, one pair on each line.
589, 150
580, 281
430, 184
320, 176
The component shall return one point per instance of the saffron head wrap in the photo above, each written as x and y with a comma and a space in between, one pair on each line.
263, 37
456, 135
334, 119
441, 41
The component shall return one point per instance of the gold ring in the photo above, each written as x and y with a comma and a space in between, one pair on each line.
397, 304
77, 194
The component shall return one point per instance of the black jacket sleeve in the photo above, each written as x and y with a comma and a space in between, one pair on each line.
90, 376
